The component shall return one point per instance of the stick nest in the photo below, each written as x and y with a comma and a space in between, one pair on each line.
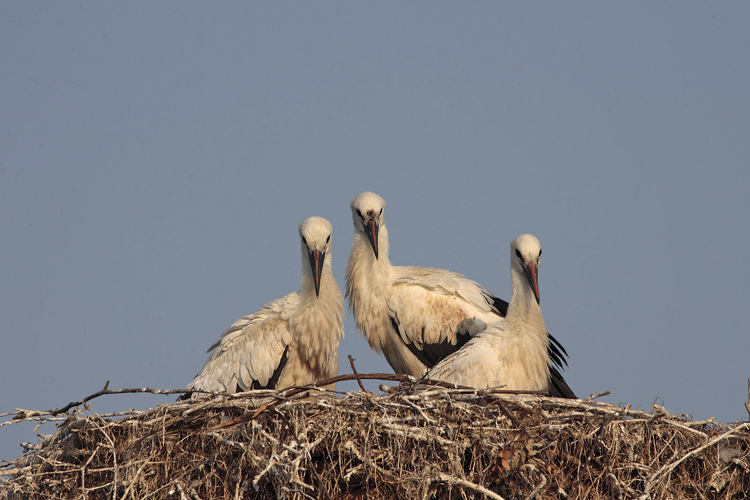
411, 443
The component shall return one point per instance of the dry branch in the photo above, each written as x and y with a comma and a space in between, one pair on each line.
421, 440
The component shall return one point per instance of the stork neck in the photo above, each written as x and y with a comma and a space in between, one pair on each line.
367, 278
523, 306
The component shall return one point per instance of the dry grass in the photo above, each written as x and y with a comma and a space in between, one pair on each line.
416, 442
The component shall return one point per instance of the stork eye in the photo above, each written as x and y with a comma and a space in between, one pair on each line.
540, 252
359, 213
518, 254
328, 239
381, 212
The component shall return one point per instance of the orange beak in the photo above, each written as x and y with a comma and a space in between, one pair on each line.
371, 229
532, 275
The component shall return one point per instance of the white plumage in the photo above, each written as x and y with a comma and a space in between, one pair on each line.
512, 353
293, 340
417, 316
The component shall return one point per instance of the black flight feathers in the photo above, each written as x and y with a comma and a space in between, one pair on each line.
432, 354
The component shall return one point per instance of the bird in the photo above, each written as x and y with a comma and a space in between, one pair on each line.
512, 353
290, 341
414, 316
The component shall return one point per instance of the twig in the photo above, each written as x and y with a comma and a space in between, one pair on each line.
57, 411
366, 462
293, 391
668, 468
597, 395
506, 412
83, 469
354, 369
271, 464
420, 411
133, 481
114, 454
606, 419
463, 482
614, 485
234, 444
539, 487
180, 490
415, 433
747, 403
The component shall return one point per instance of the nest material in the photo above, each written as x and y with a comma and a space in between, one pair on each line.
412, 444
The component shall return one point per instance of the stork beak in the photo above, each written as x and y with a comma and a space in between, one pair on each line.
371, 228
532, 275
316, 264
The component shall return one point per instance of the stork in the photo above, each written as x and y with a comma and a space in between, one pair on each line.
513, 353
293, 340
415, 316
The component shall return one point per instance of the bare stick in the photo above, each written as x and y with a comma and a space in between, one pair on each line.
668, 468
57, 411
114, 454
293, 391
470, 485
506, 412
287, 393
359, 380
536, 491
597, 395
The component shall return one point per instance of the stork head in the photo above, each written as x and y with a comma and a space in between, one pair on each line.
367, 214
315, 233
525, 258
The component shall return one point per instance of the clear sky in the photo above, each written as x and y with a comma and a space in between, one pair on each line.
157, 158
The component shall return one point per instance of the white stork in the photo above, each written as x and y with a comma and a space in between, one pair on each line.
293, 340
514, 352
416, 316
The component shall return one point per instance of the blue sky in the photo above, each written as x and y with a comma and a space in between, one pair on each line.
156, 160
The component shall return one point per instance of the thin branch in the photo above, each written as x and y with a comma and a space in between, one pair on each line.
354, 369
285, 394
114, 453
597, 395
72, 404
463, 482
668, 468
394, 377
506, 412
539, 487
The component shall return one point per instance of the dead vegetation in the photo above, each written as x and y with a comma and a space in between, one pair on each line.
414, 442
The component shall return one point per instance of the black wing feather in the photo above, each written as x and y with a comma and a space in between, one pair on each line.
557, 352
274, 378
500, 305
432, 354
557, 386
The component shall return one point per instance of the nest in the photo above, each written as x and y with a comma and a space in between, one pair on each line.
414, 442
